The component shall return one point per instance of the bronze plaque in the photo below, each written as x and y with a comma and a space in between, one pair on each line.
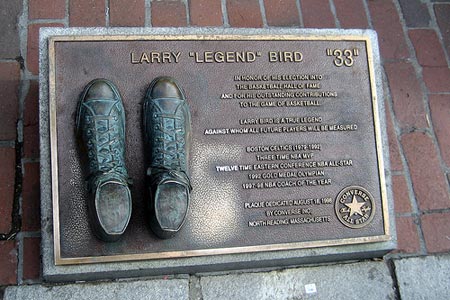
286, 143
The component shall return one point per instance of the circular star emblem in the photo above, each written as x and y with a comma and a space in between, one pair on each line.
354, 207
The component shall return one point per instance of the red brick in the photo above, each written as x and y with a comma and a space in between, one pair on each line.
9, 95
407, 237
317, 14
87, 13
31, 258
31, 198
386, 22
7, 174
437, 79
415, 13
31, 112
401, 195
351, 13
205, 12
436, 230
429, 51
407, 97
126, 12
31, 122
440, 116
244, 13
9, 35
442, 12
31, 141
281, 13
394, 151
46, 9
168, 14
429, 184
8, 261
33, 45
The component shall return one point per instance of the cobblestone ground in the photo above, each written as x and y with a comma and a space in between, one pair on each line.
414, 38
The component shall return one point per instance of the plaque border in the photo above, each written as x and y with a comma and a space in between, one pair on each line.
59, 260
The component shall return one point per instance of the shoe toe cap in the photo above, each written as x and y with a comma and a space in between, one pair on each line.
100, 89
165, 87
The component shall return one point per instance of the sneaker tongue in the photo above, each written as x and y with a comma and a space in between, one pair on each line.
163, 176
171, 204
113, 206
112, 177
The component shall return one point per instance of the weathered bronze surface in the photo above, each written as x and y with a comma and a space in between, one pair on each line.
100, 128
285, 143
167, 131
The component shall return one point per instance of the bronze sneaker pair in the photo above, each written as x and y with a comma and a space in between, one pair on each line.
101, 127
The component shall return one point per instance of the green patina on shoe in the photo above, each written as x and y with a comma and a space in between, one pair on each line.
101, 129
167, 129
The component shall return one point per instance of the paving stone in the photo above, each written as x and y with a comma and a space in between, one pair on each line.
437, 79
31, 122
8, 261
244, 13
423, 277
407, 237
394, 150
386, 22
31, 220
9, 36
205, 12
87, 13
407, 96
429, 184
436, 230
33, 45
415, 13
429, 51
126, 12
7, 163
440, 112
442, 12
168, 14
343, 281
9, 95
175, 289
317, 14
31, 258
281, 13
351, 13
46, 9
402, 203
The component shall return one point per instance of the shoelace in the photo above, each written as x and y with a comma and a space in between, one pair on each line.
107, 158
169, 144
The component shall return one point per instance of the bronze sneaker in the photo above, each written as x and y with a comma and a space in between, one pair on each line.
167, 127
100, 126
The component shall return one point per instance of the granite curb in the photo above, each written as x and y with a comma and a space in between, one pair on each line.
417, 278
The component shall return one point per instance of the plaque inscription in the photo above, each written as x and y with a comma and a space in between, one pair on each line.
286, 149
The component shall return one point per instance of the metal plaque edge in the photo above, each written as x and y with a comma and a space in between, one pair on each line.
59, 260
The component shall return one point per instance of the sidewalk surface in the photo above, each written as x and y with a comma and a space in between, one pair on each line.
414, 37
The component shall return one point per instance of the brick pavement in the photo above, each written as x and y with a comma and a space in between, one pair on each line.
414, 38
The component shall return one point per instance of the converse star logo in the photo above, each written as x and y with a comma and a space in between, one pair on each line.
354, 207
